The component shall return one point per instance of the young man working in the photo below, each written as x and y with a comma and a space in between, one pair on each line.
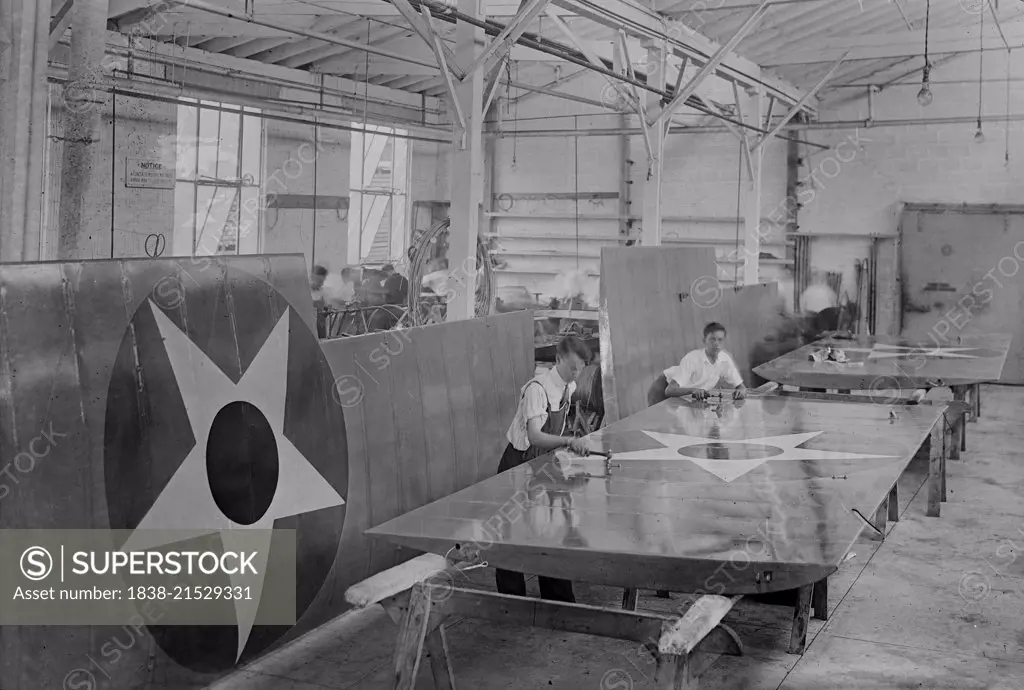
701, 370
538, 427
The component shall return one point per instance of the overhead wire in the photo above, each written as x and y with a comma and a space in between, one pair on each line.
739, 211
1009, 63
576, 177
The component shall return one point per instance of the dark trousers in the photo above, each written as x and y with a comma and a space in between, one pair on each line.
511, 582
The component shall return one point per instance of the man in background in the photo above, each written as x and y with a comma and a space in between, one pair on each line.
339, 289
316, 284
396, 286
783, 334
702, 370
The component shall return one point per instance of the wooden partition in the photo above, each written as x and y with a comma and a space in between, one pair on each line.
655, 302
96, 419
426, 411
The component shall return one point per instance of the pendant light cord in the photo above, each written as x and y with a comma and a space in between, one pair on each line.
576, 176
927, 19
1009, 63
981, 62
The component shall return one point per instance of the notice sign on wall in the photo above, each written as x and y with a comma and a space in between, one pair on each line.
151, 173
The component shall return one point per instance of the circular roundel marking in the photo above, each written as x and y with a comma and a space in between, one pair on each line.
241, 462
730, 451
229, 317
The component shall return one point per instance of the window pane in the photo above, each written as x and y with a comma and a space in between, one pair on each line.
216, 220
249, 221
215, 153
184, 219
252, 149
382, 175
377, 220
185, 146
227, 159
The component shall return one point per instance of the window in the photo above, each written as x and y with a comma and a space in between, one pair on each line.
379, 212
217, 191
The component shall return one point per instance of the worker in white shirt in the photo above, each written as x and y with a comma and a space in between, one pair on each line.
701, 370
339, 289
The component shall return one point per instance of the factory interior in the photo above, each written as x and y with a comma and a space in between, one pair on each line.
292, 268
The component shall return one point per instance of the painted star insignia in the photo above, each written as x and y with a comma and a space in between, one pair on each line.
187, 503
885, 351
785, 448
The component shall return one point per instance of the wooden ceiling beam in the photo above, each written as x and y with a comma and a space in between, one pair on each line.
903, 44
388, 36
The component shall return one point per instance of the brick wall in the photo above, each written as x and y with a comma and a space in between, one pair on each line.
914, 163
117, 219
700, 179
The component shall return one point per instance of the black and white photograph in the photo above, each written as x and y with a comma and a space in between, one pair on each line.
511, 344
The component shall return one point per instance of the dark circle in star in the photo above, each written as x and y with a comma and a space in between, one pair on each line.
242, 462
228, 313
730, 451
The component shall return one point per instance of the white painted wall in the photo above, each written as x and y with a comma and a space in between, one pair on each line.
933, 163
701, 175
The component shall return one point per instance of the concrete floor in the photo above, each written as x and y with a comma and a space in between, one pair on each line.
938, 604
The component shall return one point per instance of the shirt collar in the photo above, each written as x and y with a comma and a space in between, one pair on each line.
707, 357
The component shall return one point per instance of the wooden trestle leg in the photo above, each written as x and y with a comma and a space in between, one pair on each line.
683, 647
936, 458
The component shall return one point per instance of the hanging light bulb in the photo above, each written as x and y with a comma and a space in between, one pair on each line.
979, 136
924, 96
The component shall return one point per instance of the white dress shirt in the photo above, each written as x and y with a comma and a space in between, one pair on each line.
695, 370
337, 292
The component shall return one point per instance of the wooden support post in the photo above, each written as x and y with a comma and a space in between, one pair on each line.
792, 209
946, 450
894, 503
752, 202
880, 519
819, 599
83, 97
671, 672
956, 426
650, 229
801, 617
935, 454
629, 599
625, 164
700, 631
24, 43
976, 402
467, 170
411, 637
440, 661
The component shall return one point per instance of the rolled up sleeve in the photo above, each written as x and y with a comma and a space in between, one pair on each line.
679, 374
535, 402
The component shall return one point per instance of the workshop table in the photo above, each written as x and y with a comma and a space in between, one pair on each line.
886, 362
721, 500
894, 367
